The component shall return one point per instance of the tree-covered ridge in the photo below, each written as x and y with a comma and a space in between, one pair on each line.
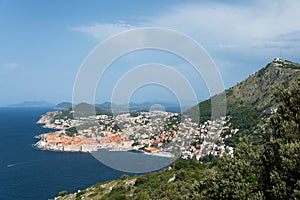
268, 171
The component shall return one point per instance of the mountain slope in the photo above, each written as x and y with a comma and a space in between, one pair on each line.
250, 100
258, 89
85, 109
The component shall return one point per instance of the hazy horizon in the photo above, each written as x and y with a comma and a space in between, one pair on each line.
185, 103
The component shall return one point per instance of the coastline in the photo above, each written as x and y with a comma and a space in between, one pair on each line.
38, 146
42, 145
160, 154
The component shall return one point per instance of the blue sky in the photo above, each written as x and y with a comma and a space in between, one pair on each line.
43, 43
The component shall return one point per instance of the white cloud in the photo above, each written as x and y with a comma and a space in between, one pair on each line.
102, 31
11, 66
246, 34
220, 25
250, 33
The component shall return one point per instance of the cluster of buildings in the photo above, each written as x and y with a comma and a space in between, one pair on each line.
154, 132
90, 134
210, 140
58, 141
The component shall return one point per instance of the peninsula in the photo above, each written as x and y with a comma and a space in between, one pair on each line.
157, 133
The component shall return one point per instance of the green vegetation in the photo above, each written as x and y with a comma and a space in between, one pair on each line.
281, 156
62, 114
62, 193
267, 171
289, 64
134, 114
63, 105
71, 131
85, 110
124, 177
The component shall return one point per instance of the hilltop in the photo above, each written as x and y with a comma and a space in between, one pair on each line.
63, 105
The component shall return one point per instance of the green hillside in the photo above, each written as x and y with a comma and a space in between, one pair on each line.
250, 100
63, 105
84, 110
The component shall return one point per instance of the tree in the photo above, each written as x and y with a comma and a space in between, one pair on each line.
71, 131
124, 177
282, 149
62, 193
237, 177
142, 196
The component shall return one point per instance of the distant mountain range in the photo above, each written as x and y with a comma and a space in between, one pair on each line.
132, 107
32, 104
108, 106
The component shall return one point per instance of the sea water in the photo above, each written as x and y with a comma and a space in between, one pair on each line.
30, 173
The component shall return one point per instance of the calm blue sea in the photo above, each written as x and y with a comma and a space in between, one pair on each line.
28, 173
